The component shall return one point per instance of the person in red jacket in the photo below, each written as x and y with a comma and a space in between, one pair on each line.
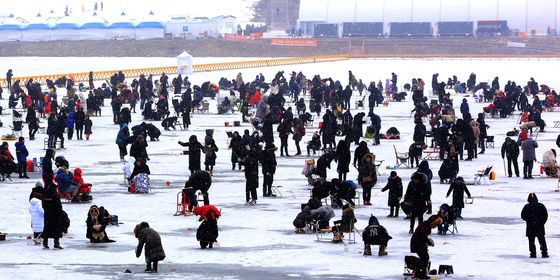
84, 189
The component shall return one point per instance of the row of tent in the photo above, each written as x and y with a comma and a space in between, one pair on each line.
93, 28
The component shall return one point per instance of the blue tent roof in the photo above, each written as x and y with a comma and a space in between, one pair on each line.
121, 25
92, 25
37, 26
65, 25
10, 27
150, 24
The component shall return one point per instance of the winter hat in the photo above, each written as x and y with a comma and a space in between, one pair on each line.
532, 197
393, 173
38, 184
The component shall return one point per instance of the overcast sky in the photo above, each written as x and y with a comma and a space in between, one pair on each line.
133, 8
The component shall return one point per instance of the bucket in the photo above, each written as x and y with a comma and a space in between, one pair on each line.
30, 165
226, 124
320, 125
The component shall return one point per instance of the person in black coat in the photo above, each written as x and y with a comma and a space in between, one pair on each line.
323, 163
483, 132
357, 127
32, 121
195, 149
79, 119
367, 176
237, 149
419, 243
359, 154
53, 217
251, 163
200, 180
394, 185
138, 148
376, 124
52, 129
417, 198
424, 168
284, 130
419, 131
268, 161
510, 150
415, 153
47, 167
535, 215
343, 159
458, 187
375, 234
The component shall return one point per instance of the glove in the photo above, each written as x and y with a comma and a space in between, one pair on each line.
431, 242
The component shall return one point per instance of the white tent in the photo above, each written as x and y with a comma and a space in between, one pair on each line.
121, 28
93, 28
11, 30
65, 29
150, 28
37, 29
184, 64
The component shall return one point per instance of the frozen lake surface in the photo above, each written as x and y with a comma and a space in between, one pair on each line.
258, 242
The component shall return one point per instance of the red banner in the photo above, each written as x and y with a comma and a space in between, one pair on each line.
294, 42
235, 37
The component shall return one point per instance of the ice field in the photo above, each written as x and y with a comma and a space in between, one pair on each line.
259, 242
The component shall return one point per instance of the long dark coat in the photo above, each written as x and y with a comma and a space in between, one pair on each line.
53, 214
344, 157
151, 242
458, 188
195, 149
395, 187
534, 214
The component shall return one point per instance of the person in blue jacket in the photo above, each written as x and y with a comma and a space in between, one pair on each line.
21, 154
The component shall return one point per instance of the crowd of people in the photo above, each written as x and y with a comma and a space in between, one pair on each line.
264, 105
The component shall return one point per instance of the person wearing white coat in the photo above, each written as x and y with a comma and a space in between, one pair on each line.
37, 216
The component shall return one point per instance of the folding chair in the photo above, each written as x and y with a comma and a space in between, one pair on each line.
401, 158
276, 191
482, 175
453, 227
183, 204
489, 142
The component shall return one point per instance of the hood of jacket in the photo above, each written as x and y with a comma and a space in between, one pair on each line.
373, 221
532, 198
78, 172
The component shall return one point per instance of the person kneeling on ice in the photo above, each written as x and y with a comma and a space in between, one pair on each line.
153, 251
375, 234
323, 215
302, 219
345, 224
96, 222
345, 190
139, 177
84, 189
207, 232
419, 244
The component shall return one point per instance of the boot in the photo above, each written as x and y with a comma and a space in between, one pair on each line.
367, 249
382, 251
154, 267
203, 244
46, 243
337, 238
148, 267
57, 244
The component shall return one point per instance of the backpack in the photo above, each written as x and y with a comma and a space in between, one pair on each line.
393, 130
